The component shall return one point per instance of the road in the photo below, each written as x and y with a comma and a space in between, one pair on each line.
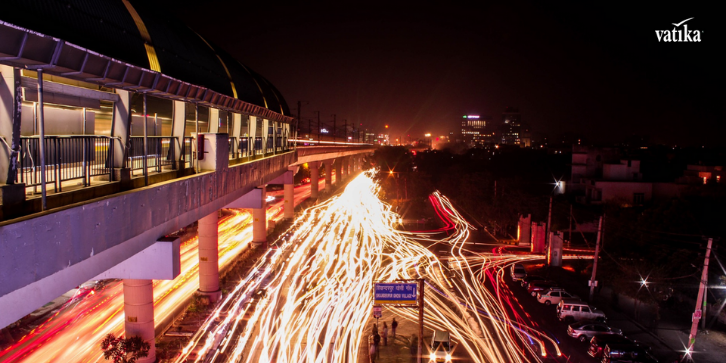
318, 290
73, 333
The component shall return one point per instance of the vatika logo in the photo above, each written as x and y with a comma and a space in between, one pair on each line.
679, 34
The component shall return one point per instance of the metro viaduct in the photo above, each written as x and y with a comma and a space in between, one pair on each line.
118, 129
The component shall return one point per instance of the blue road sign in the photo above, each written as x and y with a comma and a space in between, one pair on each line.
394, 293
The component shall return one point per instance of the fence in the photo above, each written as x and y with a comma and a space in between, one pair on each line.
161, 152
186, 152
66, 158
270, 145
257, 150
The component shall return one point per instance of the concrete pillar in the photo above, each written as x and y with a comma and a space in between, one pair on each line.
216, 152
344, 165
209, 256
554, 250
259, 223
213, 120
328, 174
538, 237
121, 126
314, 180
139, 313
178, 127
10, 103
338, 172
524, 228
289, 195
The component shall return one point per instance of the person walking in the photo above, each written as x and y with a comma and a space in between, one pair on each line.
377, 343
394, 325
384, 334
372, 351
375, 329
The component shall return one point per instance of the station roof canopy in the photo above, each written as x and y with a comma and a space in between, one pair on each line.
131, 45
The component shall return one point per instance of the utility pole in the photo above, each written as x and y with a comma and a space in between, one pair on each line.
569, 239
299, 116
705, 306
697, 315
549, 222
318, 126
593, 282
334, 128
345, 130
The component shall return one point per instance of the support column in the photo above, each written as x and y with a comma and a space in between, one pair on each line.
289, 195
554, 249
139, 313
121, 127
328, 174
344, 169
314, 180
259, 223
213, 120
178, 127
339, 172
209, 256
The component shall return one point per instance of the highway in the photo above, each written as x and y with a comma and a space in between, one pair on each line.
73, 333
311, 297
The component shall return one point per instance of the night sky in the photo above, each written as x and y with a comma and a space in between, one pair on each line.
598, 71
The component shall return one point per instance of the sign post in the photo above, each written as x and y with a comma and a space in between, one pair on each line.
402, 293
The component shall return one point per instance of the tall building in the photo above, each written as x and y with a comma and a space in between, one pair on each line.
474, 130
512, 130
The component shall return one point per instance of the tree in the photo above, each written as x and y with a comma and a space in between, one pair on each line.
124, 350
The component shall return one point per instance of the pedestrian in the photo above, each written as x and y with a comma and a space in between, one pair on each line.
376, 342
372, 351
394, 325
375, 329
384, 334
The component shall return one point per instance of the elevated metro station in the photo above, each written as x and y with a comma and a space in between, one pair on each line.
118, 127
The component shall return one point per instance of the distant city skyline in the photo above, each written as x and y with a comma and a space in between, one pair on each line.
599, 72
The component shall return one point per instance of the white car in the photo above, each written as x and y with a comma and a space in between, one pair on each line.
518, 272
440, 348
554, 296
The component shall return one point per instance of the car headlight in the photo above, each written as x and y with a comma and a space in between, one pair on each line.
448, 357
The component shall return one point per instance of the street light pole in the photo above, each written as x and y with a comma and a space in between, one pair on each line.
593, 282
318, 125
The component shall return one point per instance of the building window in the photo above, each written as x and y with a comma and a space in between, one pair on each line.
638, 198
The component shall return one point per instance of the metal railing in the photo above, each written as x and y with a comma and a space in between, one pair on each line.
269, 145
66, 157
257, 147
244, 147
186, 152
161, 152
232, 144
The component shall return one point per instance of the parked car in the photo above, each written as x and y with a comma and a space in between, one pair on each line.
518, 272
554, 295
598, 343
614, 353
584, 331
539, 286
571, 310
530, 278
440, 347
